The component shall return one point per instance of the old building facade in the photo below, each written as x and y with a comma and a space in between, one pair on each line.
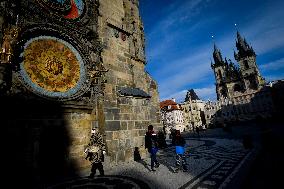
68, 66
193, 109
172, 116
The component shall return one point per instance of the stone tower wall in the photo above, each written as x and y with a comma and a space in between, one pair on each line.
126, 117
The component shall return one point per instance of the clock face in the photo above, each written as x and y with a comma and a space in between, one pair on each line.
69, 9
52, 67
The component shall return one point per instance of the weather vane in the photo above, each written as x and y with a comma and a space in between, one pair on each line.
212, 37
236, 26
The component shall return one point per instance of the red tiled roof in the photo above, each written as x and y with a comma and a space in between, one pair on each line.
174, 106
167, 103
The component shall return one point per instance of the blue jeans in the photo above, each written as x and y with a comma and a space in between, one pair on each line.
153, 153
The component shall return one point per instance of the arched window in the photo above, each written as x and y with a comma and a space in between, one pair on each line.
246, 64
223, 92
219, 74
237, 88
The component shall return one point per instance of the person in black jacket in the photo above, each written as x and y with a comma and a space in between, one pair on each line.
151, 144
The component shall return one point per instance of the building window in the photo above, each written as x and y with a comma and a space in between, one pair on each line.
220, 74
246, 64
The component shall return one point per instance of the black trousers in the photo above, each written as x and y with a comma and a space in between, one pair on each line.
94, 168
181, 161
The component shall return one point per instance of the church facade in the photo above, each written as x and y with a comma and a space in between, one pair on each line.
242, 93
66, 67
230, 79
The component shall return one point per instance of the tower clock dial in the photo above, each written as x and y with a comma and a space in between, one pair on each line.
52, 67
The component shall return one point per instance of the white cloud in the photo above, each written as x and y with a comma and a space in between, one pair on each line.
206, 93
191, 69
170, 29
178, 96
177, 74
275, 65
183, 72
265, 32
203, 93
179, 12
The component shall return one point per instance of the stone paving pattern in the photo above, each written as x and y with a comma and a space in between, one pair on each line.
211, 162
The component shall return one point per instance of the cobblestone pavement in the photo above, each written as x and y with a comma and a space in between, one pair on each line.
104, 182
212, 163
227, 156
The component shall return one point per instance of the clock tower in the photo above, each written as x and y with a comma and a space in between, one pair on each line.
67, 66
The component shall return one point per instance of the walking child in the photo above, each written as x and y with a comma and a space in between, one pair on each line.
180, 152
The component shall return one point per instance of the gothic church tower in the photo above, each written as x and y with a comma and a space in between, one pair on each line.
246, 58
219, 68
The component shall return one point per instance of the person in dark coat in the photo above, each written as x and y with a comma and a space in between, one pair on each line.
161, 140
180, 152
95, 153
151, 144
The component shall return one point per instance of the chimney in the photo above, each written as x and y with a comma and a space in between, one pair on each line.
173, 99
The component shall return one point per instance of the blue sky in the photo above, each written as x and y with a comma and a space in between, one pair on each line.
179, 44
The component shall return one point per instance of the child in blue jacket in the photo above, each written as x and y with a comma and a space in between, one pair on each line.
180, 152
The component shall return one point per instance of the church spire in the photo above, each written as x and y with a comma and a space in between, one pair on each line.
218, 60
243, 48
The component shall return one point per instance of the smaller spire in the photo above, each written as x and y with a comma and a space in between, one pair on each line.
212, 37
236, 26
217, 56
215, 47
243, 48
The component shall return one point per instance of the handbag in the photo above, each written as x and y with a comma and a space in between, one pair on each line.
94, 149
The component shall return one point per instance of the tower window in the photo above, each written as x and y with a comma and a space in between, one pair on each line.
237, 88
252, 82
246, 64
220, 74
223, 92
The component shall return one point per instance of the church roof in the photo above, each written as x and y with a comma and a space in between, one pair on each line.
244, 49
169, 105
217, 56
191, 94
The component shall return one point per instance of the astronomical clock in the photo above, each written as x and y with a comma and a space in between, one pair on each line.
58, 55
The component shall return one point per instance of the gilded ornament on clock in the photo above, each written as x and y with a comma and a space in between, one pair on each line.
52, 67
69, 9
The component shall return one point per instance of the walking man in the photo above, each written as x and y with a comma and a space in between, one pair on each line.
151, 144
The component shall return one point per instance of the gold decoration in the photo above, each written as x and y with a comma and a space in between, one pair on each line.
9, 38
51, 65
